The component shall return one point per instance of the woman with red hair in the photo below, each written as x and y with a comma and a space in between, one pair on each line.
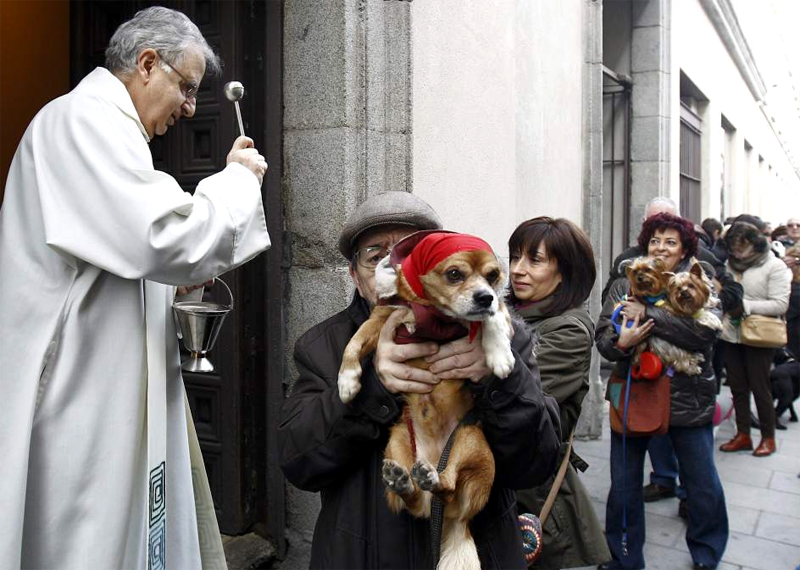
672, 240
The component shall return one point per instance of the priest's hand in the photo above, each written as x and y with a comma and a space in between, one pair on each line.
244, 152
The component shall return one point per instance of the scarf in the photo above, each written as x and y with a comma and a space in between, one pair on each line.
756, 258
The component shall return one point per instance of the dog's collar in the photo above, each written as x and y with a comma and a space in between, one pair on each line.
656, 301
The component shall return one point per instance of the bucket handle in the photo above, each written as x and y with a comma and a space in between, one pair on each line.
227, 288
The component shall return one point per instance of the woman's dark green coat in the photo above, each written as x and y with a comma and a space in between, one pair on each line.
563, 347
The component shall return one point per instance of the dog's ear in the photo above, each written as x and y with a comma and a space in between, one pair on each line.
696, 269
669, 274
385, 279
629, 270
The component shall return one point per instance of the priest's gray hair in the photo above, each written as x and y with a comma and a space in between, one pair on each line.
169, 32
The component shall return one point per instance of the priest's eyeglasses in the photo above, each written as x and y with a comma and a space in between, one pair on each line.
188, 88
369, 257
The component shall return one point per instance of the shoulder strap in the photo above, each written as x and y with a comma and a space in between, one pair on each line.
574, 317
562, 471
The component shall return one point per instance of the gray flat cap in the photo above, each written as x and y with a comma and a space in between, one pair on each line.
390, 208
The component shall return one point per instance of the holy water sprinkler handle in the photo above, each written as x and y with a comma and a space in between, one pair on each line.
233, 92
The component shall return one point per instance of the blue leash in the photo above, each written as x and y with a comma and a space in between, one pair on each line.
624, 465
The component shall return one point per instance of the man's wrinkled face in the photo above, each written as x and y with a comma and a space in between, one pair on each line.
793, 229
167, 102
372, 246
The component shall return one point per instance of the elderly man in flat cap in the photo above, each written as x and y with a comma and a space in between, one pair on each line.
337, 449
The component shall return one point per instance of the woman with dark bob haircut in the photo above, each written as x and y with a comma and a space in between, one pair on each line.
767, 285
568, 247
692, 397
552, 272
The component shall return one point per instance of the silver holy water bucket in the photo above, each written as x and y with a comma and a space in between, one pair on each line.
199, 323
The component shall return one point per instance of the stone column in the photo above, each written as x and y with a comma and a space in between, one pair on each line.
590, 424
650, 106
347, 135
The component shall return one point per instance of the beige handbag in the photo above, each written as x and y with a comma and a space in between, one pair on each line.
763, 331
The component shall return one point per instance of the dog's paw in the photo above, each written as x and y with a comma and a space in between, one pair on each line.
501, 361
395, 477
425, 476
349, 384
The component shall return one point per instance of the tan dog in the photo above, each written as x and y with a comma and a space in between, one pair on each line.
463, 287
689, 294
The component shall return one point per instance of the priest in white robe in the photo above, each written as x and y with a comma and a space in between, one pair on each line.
99, 463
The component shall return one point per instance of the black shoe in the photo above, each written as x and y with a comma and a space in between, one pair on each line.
701, 566
683, 509
779, 425
655, 492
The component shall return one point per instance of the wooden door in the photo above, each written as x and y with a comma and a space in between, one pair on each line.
234, 406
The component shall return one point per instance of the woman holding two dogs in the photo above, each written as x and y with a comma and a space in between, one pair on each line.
552, 271
670, 243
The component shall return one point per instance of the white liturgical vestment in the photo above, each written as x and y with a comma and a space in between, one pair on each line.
92, 242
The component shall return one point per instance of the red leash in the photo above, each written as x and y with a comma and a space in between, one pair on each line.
410, 426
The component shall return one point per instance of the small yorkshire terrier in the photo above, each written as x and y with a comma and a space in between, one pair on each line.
686, 294
689, 294
648, 279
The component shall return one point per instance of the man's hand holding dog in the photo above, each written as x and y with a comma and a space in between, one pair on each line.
460, 359
390, 361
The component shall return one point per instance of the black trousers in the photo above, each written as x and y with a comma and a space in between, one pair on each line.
748, 372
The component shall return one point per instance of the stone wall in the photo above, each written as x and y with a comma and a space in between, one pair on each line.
347, 101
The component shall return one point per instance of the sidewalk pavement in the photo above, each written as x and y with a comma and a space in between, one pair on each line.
762, 496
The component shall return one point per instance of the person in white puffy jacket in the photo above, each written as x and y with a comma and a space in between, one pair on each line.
767, 283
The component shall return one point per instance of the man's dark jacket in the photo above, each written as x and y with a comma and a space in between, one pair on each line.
337, 449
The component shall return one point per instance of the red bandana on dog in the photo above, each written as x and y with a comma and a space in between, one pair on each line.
434, 248
418, 254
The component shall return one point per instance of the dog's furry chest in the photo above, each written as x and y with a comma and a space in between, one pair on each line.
436, 415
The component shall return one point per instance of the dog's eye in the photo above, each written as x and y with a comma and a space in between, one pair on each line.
492, 277
454, 276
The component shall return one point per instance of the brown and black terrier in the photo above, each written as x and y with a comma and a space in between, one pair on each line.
686, 294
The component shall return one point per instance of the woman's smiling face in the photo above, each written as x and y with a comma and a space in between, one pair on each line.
666, 245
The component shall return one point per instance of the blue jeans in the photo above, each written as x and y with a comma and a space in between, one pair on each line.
665, 464
707, 528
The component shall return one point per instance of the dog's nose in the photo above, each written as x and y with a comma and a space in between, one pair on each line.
483, 299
